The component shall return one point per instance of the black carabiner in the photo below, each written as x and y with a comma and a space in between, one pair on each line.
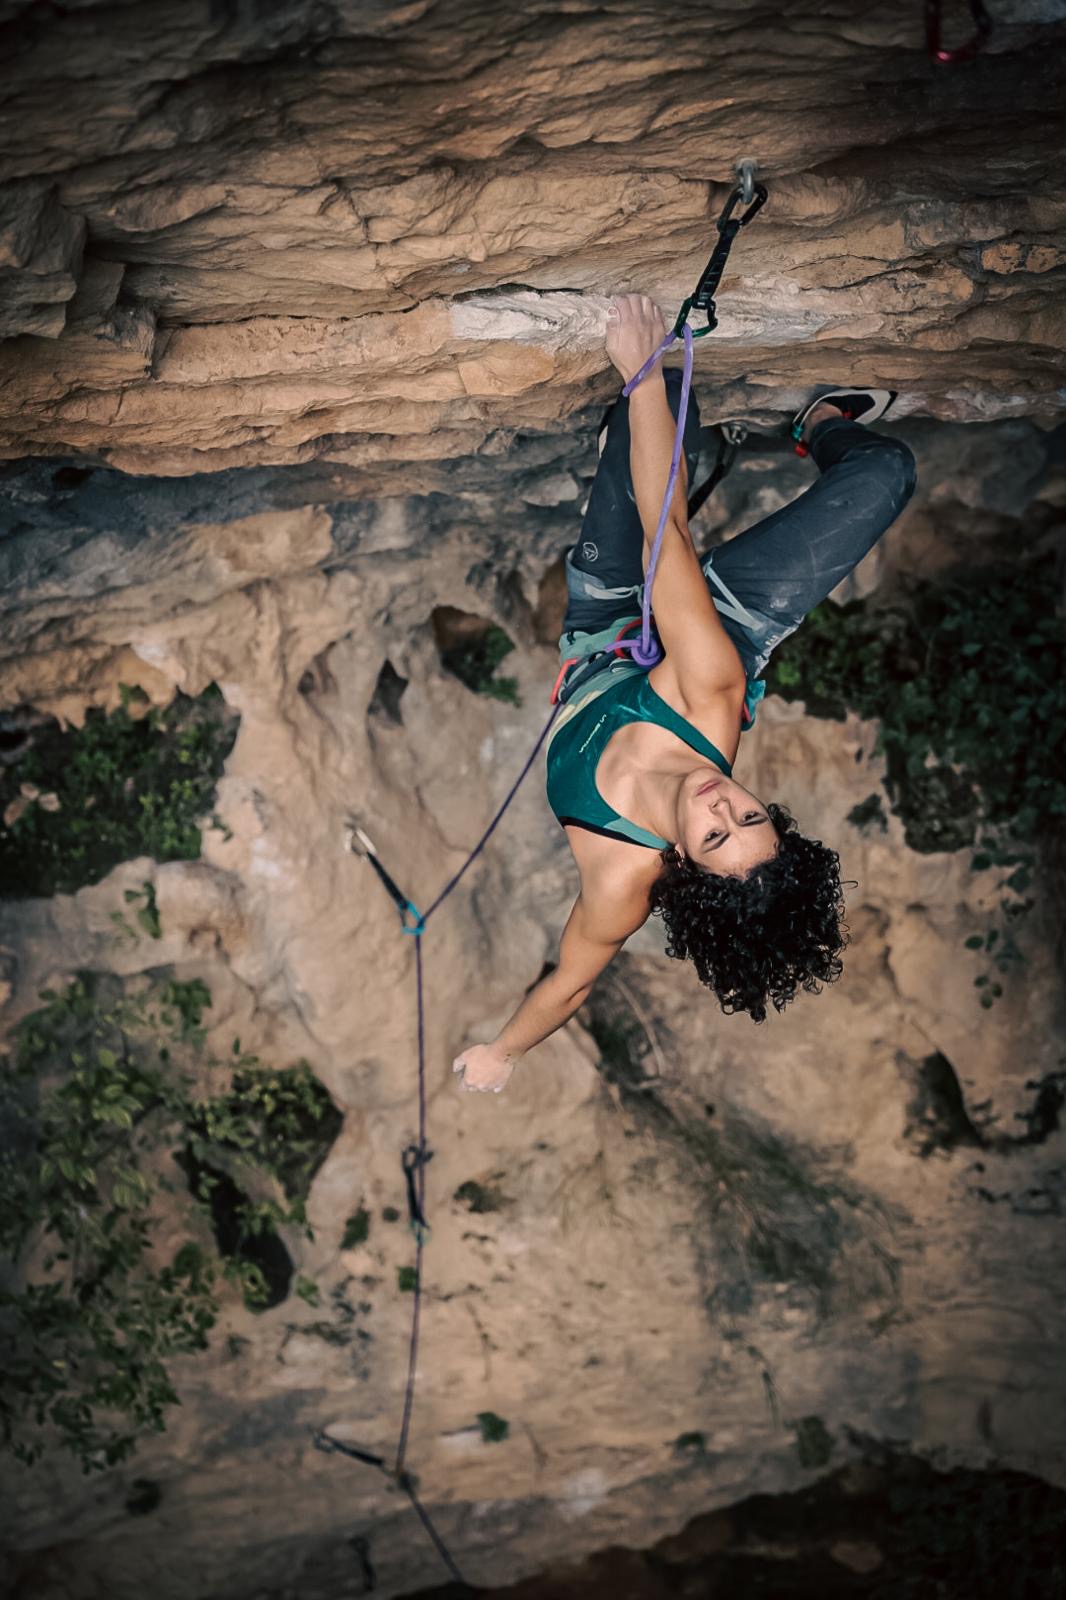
731, 204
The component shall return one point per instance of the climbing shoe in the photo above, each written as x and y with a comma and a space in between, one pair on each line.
855, 405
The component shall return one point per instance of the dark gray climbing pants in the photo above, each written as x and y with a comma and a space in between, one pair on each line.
765, 580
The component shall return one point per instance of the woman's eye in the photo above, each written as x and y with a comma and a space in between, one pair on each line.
752, 815
711, 837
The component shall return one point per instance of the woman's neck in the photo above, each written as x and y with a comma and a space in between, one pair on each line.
655, 801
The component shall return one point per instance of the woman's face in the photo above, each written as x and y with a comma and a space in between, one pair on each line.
722, 827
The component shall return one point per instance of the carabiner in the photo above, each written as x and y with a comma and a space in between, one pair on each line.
755, 206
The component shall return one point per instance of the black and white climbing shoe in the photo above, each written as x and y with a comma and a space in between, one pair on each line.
855, 405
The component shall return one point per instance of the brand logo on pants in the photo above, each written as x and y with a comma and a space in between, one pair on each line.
590, 551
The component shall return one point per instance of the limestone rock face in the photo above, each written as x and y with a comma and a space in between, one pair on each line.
40, 252
304, 310
354, 226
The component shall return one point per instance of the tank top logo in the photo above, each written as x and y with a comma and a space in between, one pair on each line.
583, 747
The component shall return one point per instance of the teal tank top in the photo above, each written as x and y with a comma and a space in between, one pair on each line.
580, 736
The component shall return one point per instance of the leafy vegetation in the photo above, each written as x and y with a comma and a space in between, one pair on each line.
869, 813
967, 678
78, 802
494, 1429
479, 1198
100, 1111
474, 657
356, 1229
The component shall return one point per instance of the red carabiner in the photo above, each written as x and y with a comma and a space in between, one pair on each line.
620, 650
563, 670
964, 52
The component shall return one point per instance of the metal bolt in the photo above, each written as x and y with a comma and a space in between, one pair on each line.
745, 171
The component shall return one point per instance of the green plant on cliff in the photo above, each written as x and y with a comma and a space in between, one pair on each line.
474, 659
967, 679
123, 785
102, 1114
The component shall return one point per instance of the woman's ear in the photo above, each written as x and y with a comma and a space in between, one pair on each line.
678, 852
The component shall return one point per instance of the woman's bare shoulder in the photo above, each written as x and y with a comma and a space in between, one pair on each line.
716, 714
616, 876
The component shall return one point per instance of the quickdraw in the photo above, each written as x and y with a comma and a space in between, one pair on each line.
728, 226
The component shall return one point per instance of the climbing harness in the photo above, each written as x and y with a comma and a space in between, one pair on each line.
645, 652
982, 24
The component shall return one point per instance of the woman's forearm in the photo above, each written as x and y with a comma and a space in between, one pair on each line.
651, 435
545, 1008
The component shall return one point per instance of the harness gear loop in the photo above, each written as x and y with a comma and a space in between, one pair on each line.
964, 52
563, 670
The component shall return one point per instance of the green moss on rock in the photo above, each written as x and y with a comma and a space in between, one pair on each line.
77, 802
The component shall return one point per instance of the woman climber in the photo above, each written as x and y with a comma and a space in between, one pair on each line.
640, 762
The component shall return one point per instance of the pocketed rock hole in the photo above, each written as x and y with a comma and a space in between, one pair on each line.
388, 692
227, 1204
471, 648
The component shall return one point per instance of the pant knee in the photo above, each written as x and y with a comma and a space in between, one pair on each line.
886, 466
898, 469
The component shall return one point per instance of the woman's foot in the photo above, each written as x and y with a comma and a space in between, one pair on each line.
821, 413
856, 405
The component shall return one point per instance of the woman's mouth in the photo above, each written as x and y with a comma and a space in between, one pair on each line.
712, 785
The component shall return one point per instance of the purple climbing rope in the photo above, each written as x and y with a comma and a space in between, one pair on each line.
645, 650
415, 1160
646, 653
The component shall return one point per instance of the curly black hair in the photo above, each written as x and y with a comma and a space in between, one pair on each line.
759, 937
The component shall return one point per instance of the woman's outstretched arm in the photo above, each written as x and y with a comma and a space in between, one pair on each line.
596, 929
